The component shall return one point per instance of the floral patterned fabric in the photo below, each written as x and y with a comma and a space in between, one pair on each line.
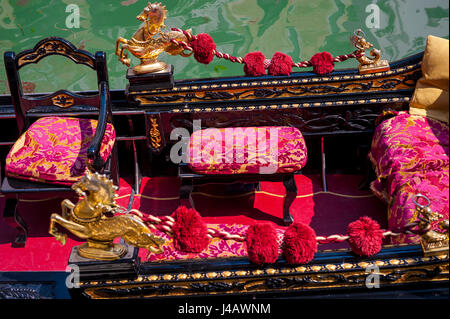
411, 155
54, 150
403, 188
409, 143
218, 248
247, 150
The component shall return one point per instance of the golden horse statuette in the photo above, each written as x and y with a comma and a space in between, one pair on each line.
367, 64
149, 41
433, 242
87, 219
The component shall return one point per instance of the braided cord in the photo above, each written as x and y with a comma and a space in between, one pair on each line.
165, 224
226, 56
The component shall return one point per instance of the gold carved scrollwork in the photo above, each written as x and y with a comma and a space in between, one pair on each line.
155, 134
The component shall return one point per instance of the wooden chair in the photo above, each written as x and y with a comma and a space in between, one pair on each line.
92, 141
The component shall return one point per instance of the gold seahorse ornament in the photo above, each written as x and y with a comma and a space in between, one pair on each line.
433, 242
88, 220
150, 40
368, 64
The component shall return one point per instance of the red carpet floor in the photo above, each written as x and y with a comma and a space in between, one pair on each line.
327, 213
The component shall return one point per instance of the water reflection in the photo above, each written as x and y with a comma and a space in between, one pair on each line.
298, 28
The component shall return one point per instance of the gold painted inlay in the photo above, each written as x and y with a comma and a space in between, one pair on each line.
394, 262
316, 268
363, 265
347, 266
63, 100
301, 269
271, 271
331, 267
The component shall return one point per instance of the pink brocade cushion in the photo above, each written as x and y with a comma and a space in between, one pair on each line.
409, 143
247, 150
402, 189
54, 150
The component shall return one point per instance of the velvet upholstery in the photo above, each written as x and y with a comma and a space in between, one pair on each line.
410, 154
247, 150
409, 143
54, 150
402, 189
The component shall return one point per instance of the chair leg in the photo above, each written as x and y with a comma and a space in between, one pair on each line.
187, 185
291, 194
115, 167
13, 219
137, 171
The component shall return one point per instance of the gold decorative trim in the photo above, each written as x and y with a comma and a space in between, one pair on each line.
63, 100
155, 134
55, 47
290, 106
304, 269
266, 82
331, 276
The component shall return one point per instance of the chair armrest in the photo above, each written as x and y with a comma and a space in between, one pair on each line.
93, 151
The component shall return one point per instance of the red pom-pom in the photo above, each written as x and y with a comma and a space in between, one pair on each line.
366, 236
189, 232
300, 244
203, 47
322, 63
262, 243
281, 64
254, 64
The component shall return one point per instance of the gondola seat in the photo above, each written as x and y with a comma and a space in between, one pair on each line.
403, 188
245, 155
252, 151
409, 143
410, 155
54, 150
410, 151
57, 141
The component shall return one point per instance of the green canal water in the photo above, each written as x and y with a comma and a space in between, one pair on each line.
299, 28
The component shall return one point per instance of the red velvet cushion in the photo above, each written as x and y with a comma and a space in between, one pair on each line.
247, 150
54, 150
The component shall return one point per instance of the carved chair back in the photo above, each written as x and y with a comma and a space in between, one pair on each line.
62, 98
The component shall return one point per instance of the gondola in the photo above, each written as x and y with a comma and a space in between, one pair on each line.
344, 242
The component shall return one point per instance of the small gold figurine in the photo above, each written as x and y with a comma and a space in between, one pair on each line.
367, 64
149, 41
87, 220
433, 242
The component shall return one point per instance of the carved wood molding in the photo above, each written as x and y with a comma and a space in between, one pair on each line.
308, 120
403, 79
288, 279
50, 46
